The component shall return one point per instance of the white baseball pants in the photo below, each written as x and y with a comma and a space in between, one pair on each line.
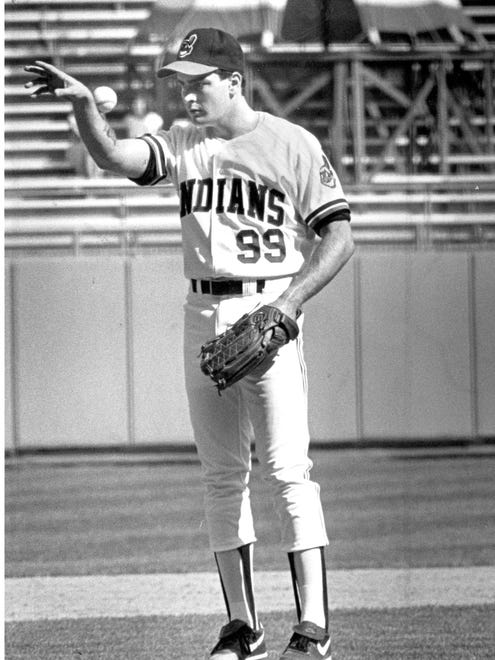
269, 408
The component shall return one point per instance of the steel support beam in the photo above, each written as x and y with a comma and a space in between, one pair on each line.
359, 137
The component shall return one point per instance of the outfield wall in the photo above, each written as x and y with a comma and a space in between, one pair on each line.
400, 345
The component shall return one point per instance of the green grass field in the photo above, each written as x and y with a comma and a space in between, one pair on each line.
128, 514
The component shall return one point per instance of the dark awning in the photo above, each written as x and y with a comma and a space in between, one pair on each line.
328, 21
374, 21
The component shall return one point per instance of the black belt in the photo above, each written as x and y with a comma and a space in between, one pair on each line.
223, 287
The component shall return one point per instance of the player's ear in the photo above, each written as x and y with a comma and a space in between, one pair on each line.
236, 82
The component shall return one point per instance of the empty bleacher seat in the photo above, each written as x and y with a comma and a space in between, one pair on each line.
482, 13
90, 40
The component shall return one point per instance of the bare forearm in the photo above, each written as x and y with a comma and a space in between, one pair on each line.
97, 134
329, 257
126, 157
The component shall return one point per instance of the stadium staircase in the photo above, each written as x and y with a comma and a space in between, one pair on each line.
482, 13
90, 40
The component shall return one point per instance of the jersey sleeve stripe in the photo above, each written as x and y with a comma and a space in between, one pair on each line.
158, 155
326, 210
344, 215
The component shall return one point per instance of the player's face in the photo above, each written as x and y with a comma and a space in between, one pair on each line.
206, 98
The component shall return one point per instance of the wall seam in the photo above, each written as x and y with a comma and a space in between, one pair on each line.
129, 348
358, 348
473, 352
14, 353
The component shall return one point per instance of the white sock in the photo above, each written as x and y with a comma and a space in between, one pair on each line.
311, 584
235, 570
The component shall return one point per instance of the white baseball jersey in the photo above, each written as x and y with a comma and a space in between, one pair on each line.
250, 207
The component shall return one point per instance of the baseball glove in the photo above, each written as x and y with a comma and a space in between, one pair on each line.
245, 345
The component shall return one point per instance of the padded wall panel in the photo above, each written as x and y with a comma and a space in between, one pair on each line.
71, 352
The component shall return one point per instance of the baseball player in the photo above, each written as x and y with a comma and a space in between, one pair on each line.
264, 221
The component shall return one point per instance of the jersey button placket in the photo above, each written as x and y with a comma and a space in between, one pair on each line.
214, 222
213, 213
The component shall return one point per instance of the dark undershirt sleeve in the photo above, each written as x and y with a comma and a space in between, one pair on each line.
342, 214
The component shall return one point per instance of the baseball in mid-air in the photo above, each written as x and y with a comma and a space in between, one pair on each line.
105, 98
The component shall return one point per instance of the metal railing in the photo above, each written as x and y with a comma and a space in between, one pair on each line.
114, 214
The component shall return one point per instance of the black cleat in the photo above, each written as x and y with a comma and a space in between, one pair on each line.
240, 642
308, 641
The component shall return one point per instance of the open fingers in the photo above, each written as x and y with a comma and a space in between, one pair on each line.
49, 84
33, 83
38, 66
43, 84
48, 67
42, 81
47, 79
44, 89
47, 71
36, 70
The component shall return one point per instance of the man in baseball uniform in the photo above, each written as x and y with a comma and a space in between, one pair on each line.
264, 221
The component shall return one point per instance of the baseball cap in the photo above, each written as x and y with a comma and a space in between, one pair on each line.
203, 51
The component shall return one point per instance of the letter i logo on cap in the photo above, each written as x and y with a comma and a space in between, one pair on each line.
188, 45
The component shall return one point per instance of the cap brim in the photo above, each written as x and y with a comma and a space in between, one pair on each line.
187, 68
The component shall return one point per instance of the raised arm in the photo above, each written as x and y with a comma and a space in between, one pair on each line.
127, 157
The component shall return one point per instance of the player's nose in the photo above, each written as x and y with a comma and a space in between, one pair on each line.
188, 94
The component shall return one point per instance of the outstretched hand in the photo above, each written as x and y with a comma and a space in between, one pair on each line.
54, 82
